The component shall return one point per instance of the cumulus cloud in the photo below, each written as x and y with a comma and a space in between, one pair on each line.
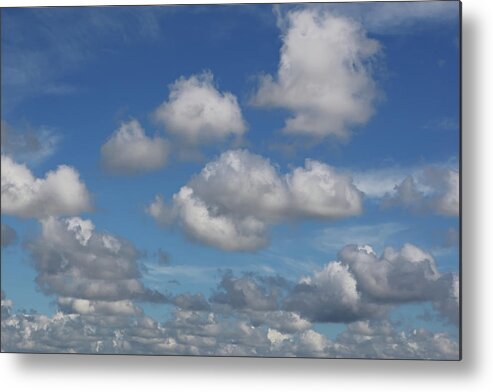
60, 192
324, 76
197, 112
234, 200
89, 272
434, 189
9, 235
361, 285
129, 150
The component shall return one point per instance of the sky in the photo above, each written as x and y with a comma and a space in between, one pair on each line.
246, 180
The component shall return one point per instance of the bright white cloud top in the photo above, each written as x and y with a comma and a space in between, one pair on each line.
234, 200
197, 112
324, 76
60, 192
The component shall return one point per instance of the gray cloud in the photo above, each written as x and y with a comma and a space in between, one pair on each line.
234, 200
206, 333
31, 145
65, 256
361, 285
130, 151
434, 189
9, 235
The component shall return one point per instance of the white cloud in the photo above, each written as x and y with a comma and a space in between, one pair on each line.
60, 192
324, 77
129, 150
196, 112
234, 200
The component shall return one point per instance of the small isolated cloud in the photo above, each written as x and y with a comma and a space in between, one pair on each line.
129, 150
197, 112
9, 236
60, 192
234, 200
324, 76
434, 189
28, 144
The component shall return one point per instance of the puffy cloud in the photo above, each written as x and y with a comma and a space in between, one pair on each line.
324, 76
9, 236
234, 200
27, 144
89, 271
434, 189
361, 285
60, 192
129, 150
196, 112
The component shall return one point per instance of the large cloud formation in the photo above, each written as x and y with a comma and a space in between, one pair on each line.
361, 285
129, 150
245, 315
324, 77
234, 200
60, 192
88, 271
196, 112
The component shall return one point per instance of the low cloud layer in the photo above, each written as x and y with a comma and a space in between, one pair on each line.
197, 112
234, 200
130, 151
60, 192
324, 76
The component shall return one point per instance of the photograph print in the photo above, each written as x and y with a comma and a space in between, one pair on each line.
253, 180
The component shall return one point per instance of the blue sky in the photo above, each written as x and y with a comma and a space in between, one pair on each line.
71, 77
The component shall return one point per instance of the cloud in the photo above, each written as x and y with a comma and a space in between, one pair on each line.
360, 285
196, 112
434, 189
28, 144
234, 200
208, 333
324, 76
129, 150
60, 192
9, 236
89, 272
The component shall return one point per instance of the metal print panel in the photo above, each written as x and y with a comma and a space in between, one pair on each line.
275, 180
